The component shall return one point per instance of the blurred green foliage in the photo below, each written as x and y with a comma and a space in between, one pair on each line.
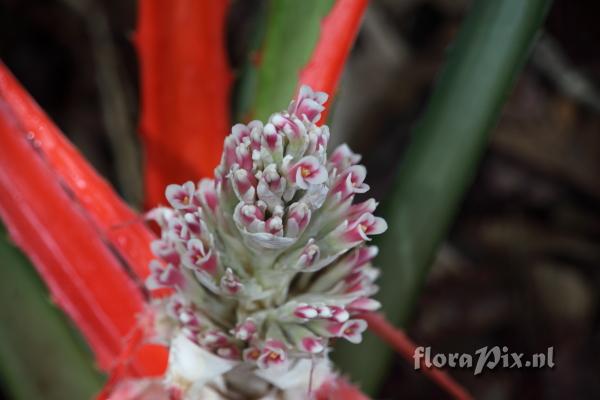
41, 356
292, 30
441, 161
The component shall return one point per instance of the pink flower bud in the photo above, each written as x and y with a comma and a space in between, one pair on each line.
229, 157
229, 351
356, 210
312, 345
230, 284
308, 104
246, 330
256, 129
318, 139
334, 328
193, 222
208, 195
274, 182
166, 250
213, 339
239, 132
294, 130
270, 187
243, 155
291, 127
351, 181
249, 217
169, 276
309, 257
274, 226
188, 318
365, 225
244, 185
342, 158
363, 304
339, 314
308, 171
304, 311
363, 255
178, 230
297, 219
199, 258
353, 277
325, 312
272, 140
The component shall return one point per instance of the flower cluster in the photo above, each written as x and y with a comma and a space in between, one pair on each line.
267, 262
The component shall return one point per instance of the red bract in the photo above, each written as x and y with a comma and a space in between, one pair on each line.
338, 31
62, 214
185, 83
339, 390
113, 219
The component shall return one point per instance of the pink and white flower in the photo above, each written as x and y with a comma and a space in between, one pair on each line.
363, 227
312, 344
308, 171
352, 330
199, 258
351, 181
246, 330
305, 312
230, 284
164, 276
342, 158
309, 104
273, 354
298, 218
182, 197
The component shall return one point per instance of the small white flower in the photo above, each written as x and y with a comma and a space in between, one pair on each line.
189, 364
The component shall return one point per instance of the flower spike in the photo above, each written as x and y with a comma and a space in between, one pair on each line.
268, 261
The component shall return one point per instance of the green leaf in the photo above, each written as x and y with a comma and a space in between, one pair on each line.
40, 355
292, 32
441, 161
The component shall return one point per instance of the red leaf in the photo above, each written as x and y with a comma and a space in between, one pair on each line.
185, 83
339, 29
114, 220
62, 215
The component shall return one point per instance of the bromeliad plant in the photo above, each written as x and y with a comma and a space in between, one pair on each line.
256, 271
267, 262
82, 235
